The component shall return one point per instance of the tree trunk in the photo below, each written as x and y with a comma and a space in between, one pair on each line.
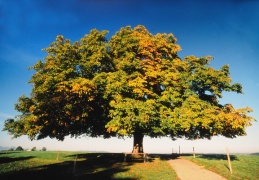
138, 142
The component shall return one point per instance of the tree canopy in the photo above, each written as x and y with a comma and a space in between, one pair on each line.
133, 84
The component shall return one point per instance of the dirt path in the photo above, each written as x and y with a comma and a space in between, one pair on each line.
187, 170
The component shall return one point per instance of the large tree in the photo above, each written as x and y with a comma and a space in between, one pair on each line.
133, 84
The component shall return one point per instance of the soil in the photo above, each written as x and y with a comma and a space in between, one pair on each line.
187, 170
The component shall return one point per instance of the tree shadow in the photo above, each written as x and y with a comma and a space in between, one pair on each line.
88, 166
99, 165
8, 152
217, 157
12, 159
164, 156
204, 156
138, 158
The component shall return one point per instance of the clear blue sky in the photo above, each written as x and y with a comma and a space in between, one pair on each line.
227, 30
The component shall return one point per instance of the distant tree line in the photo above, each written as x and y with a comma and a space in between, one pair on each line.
19, 148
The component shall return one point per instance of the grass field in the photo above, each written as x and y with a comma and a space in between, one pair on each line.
81, 165
244, 167
78, 165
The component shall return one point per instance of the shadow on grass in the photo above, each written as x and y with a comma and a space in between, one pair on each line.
84, 166
164, 157
218, 157
9, 152
214, 156
12, 159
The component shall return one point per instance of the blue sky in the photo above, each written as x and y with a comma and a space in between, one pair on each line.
227, 30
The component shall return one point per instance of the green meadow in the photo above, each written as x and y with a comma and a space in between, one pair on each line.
80, 165
83, 165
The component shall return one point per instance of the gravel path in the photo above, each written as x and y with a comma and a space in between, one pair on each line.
187, 170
